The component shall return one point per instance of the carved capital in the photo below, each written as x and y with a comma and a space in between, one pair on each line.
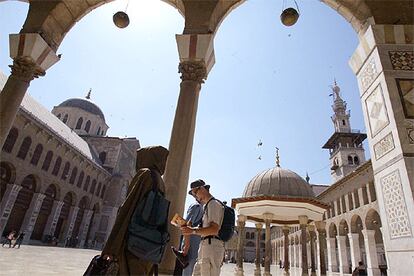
26, 69
193, 71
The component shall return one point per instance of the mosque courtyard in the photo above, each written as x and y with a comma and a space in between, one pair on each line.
45, 260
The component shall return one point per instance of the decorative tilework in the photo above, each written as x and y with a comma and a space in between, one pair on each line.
402, 60
384, 146
368, 74
395, 207
376, 111
406, 91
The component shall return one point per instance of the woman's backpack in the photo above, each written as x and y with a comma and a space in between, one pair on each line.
148, 228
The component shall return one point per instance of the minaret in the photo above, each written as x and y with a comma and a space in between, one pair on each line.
345, 145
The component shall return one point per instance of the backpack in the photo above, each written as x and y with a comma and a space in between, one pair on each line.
229, 220
148, 228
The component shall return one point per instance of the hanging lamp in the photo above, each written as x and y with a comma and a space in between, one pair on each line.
121, 18
290, 15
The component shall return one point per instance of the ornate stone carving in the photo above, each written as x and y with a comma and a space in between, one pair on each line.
368, 74
401, 60
384, 146
395, 207
406, 91
193, 71
376, 111
410, 133
26, 69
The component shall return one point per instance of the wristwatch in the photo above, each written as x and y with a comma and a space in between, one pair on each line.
194, 232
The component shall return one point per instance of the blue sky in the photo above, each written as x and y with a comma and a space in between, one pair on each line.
269, 83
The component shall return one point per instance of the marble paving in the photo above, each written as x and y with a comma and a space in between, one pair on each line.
45, 260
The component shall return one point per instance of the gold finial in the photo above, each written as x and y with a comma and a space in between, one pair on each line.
88, 96
277, 157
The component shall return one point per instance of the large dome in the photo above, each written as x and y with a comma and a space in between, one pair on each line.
278, 182
85, 105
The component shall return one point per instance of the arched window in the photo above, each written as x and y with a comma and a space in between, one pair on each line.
36, 155
10, 140
99, 131
65, 172
65, 118
59, 115
247, 235
56, 168
252, 236
350, 160
103, 191
73, 175
87, 126
102, 157
48, 159
79, 123
356, 160
98, 190
80, 179
93, 186
343, 122
86, 186
24, 148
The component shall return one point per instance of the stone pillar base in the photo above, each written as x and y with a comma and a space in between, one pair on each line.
238, 272
257, 272
267, 274
374, 271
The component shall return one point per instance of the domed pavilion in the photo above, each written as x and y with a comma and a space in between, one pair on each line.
280, 197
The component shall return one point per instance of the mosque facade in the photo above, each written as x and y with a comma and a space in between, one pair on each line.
349, 230
62, 179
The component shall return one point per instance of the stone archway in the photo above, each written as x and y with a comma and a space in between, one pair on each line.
68, 201
83, 205
7, 176
356, 239
21, 204
374, 244
332, 246
44, 212
344, 247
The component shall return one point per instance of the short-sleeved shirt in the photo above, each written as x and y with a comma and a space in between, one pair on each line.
213, 212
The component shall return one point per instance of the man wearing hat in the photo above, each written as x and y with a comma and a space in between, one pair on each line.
211, 252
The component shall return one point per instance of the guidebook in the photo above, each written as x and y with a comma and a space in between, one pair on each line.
178, 221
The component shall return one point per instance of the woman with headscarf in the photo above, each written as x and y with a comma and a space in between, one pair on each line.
148, 159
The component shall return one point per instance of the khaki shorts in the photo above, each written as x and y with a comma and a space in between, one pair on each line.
210, 258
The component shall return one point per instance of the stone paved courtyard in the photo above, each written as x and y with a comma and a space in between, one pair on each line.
42, 260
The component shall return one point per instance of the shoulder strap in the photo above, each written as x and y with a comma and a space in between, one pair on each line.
205, 206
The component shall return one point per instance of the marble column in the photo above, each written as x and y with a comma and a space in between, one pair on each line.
320, 226
257, 260
241, 222
285, 230
383, 65
53, 218
295, 255
343, 258
73, 212
86, 220
268, 251
312, 235
371, 253
31, 215
332, 262
303, 220
196, 59
355, 250
7, 204
31, 56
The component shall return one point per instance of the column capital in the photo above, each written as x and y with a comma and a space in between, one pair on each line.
192, 71
197, 47
31, 55
267, 217
311, 228
303, 220
241, 218
259, 226
320, 225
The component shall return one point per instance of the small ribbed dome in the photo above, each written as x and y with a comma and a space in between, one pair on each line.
278, 182
84, 104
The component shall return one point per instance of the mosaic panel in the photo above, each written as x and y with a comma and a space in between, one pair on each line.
376, 111
384, 146
406, 91
395, 207
402, 60
368, 75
